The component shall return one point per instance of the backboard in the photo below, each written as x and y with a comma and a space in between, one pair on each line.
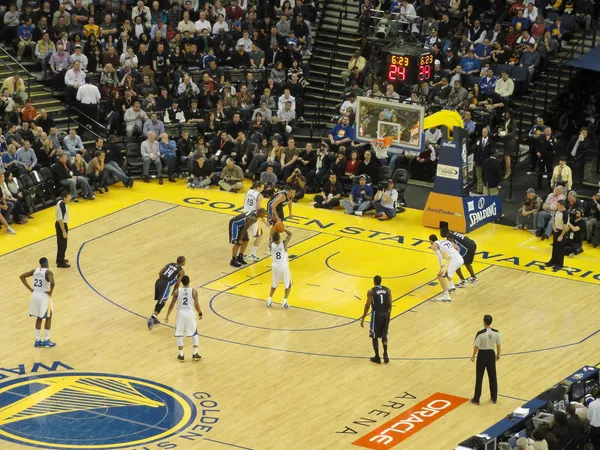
378, 118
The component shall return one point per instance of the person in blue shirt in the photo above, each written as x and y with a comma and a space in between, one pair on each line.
530, 59
487, 84
25, 35
483, 52
293, 41
360, 198
342, 134
519, 22
470, 64
168, 154
468, 122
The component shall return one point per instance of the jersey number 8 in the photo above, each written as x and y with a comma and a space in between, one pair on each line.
278, 255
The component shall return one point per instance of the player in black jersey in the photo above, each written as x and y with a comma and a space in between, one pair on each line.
169, 278
467, 248
275, 207
379, 299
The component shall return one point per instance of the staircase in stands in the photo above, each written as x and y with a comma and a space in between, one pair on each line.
348, 41
42, 99
556, 75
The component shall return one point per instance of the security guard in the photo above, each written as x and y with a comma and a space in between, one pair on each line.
485, 342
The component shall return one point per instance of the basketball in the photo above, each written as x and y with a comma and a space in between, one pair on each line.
279, 226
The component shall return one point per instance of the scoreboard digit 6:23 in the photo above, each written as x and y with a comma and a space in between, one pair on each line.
408, 69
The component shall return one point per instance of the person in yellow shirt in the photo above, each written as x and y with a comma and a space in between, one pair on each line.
16, 88
92, 28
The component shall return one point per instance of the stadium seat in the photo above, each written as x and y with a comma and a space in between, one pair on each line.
385, 173
520, 76
193, 130
471, 80
134, 160
400, 180
568, 22
49, 186
501, 68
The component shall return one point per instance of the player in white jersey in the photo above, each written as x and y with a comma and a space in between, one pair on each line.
450, 251
280, 267
40, 305
186, 299
253, 202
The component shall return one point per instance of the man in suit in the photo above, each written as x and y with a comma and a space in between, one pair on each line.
545, 152
483, 150
577, 148
492, 175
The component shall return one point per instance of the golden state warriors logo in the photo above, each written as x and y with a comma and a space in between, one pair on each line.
90, 411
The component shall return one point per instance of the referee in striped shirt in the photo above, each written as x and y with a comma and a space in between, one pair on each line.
485, 344
62, 230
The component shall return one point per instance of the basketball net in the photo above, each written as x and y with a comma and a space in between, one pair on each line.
381, 145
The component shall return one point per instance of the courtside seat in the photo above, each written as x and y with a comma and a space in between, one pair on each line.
400, 180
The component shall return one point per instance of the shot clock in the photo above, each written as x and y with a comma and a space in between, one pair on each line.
408, 67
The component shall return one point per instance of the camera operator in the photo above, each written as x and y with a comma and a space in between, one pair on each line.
297, 181
385, 200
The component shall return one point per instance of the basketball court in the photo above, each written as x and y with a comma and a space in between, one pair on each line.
273, 378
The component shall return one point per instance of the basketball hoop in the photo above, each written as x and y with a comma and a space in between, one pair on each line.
381, 146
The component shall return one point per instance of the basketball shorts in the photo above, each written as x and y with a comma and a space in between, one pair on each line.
281, 274
453, 265
235, 230
162, 289
40, 305
380, 322
279, 210
186, 324
470, 255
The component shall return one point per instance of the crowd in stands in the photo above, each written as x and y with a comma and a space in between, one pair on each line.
214, 91
577, 426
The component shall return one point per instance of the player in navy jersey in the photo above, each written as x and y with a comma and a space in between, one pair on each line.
169, 278
468, 248
379, 299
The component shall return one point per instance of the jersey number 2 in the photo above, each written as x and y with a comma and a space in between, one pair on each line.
184, 302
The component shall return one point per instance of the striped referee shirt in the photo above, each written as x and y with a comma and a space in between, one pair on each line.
62, 212
487, 339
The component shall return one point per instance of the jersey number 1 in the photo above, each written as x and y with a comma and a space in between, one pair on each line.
381, 299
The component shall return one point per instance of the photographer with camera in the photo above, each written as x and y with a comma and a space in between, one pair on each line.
360, 198
298, 182
385, 201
